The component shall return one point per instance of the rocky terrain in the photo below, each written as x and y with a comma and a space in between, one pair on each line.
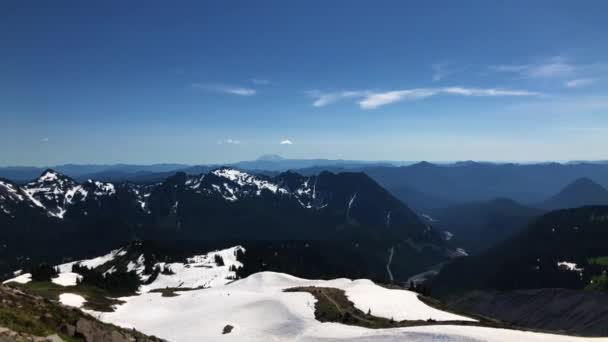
25, 317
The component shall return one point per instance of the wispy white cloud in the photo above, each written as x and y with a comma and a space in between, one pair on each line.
229, 142
579, 82
438, 71
374, 99
226, 89
45, 139
555, 67
444, 69
260, 81
487, 92
286, 142
240, 91
324, 99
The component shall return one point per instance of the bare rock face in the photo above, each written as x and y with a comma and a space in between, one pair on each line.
95, 332
7, 335
227, 329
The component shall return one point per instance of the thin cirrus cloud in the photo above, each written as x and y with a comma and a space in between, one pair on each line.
570, 75
286, 142
229, 142
555, 67
579, 82
375, 100
372, 100
438, 71
226, 89
260, 81
324, 99
444, 70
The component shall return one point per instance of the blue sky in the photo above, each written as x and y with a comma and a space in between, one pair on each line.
220, 81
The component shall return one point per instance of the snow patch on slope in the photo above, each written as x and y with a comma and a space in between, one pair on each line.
72, 300
92, 263
21, 279
199, 271
66, 279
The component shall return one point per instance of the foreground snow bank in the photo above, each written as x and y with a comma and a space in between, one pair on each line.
259, 310
443, 333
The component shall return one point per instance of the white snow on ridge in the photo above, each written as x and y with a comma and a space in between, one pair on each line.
11, 190
33, 199
570, 266
103, 189
71, 194
59, 192
48, 176
428, 217
245, 179
92, 263
198, 271
96, 262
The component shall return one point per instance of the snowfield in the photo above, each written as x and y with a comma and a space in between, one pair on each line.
258, 309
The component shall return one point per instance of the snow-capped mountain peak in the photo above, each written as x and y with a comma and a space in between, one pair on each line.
10, 195
54, 192
48, 175
246, 180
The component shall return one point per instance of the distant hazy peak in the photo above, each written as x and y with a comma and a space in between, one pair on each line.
270, 157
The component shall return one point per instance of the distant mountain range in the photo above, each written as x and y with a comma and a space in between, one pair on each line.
423, 186
57, 216
135, 172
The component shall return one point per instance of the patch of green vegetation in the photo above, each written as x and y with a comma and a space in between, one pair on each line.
601, 261
97, 299
39, 319
599, 283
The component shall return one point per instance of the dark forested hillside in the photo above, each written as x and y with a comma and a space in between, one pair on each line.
479, 225
562, 249
581, 192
